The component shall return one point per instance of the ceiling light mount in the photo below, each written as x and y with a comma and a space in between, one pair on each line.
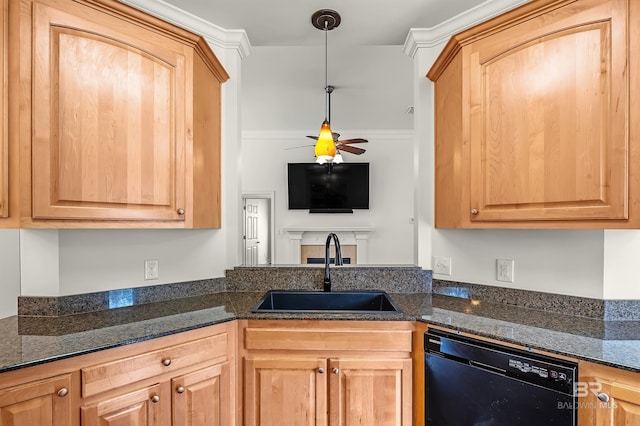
325, 19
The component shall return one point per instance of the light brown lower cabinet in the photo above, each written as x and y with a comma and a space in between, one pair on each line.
299, 373
199, 398
142, 407
608, 396
43, 402
186, 379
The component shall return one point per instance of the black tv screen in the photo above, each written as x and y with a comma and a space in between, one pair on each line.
328, 187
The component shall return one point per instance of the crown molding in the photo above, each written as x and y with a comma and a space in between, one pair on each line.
439, 34
213, 34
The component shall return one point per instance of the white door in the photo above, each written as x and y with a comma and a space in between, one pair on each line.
256, 231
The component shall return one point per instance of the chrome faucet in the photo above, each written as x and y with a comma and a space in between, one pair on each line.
338, 262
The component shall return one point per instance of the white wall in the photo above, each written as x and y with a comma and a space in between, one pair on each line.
283, 100
554, 261
621, 265
9, 271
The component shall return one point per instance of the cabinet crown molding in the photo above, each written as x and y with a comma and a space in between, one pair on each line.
431, 37
525, 11
213, 34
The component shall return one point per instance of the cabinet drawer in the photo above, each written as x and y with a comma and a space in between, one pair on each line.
102, 377
327, 339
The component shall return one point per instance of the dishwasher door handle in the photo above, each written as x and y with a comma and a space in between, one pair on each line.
487, 367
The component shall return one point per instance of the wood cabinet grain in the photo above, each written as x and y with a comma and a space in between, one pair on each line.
535, 119
608, 396
327, 373
118, 118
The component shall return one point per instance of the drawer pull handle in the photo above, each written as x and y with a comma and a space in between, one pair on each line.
167, 362
180, 389
155, 399
603, 397
180, 212
63, 392
321, 370
336, 371
474, 211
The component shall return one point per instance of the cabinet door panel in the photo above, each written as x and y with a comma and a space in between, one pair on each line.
370, 392
549, 107
201, 398
285, 391
108, 137
138, 408
37, 403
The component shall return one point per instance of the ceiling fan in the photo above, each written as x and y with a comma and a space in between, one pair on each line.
341, 145
328, 145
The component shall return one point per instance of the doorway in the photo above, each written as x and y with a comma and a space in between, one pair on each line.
258, 229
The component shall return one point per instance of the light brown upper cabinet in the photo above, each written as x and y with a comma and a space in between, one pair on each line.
536, 122
119, 118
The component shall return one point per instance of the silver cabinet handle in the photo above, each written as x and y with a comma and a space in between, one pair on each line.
603, 397
321, 370
474, 211
167, 362
180, 389
155, 399
336, 371
180, 212
63, 392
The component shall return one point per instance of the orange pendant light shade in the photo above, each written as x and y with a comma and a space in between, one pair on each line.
325, 146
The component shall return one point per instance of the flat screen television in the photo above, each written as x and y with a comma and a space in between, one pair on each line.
328, 188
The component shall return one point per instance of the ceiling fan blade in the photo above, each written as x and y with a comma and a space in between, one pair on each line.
315, 138
355, 140
352, 149
301, 146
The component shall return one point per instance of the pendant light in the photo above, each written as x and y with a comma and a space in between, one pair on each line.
325, 149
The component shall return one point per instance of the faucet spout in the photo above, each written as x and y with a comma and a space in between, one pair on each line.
327, 259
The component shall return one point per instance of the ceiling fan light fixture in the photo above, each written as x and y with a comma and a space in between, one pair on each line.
337, 159
325, 147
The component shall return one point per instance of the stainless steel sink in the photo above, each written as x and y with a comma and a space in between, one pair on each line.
362, 302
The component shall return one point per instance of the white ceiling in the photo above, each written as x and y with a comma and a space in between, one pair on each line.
288, 22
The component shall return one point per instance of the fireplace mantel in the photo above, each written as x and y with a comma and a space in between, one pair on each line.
300, 235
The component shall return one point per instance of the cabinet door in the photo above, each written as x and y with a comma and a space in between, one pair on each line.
548, 107
619, 403
46, 402
370, 392
202, 398
285, 391
144, 407
108, 131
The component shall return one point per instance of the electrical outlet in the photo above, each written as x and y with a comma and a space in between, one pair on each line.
151, 269
442, 265
504, 270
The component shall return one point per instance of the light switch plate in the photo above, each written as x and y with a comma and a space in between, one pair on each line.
442, 265
504, 270
151, 269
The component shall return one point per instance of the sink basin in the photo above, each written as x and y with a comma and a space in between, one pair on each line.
363, 302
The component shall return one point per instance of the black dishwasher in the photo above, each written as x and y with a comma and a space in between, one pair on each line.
469, 382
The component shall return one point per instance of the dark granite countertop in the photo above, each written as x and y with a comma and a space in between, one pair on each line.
34, 340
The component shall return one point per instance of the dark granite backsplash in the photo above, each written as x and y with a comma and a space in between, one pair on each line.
608, 310
100, 301
393, 279
405, 279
